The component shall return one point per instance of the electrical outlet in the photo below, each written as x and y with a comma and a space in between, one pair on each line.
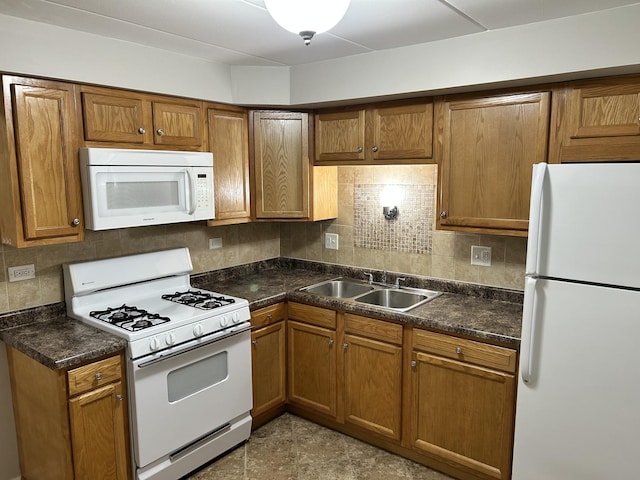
21, 272
481, 256
331, 241
215, 243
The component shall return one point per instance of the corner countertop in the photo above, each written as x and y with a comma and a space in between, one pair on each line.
457, 313
59, 342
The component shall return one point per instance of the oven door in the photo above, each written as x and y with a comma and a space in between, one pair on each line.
189, 394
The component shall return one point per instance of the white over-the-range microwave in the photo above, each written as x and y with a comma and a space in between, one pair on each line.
131, 188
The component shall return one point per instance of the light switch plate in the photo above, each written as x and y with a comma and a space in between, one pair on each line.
481, 256
331, 241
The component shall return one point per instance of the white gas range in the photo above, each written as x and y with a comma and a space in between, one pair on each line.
189, 358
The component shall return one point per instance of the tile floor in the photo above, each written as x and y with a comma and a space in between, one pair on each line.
291, 448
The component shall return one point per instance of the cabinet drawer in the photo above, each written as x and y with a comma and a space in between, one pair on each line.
465, 350
97, 374
371, 328
267, 315
313, 315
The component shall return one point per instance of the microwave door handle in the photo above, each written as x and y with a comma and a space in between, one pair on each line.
192, 192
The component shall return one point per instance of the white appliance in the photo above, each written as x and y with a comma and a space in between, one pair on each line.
578, 405
188, 356
131, 188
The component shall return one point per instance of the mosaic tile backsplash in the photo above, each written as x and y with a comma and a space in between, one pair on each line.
410, 232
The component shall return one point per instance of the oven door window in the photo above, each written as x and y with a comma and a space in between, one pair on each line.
194, 378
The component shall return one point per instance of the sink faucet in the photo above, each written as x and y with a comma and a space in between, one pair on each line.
370, 277
398, 280
383, 279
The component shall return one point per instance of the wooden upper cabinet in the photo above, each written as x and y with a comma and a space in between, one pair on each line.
40, 180
131, 119
385, 133
596, 120
486, 151
285, 185
229, 143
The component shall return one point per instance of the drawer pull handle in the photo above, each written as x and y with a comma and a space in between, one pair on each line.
98, 376
269, 317
459, 350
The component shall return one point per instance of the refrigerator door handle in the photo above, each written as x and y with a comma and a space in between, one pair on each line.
529, 314
535, 217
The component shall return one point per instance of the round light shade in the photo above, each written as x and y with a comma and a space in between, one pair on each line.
302, 16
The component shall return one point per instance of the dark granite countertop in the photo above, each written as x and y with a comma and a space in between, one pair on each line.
57, 341
495, 319
47, 335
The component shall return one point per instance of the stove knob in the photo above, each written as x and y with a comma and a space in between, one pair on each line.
236, 318
170, 339
198, 331
154, 344
224, 321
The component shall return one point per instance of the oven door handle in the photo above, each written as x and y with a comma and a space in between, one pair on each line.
214, 337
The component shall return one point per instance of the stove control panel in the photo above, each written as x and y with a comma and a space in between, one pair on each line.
193, 331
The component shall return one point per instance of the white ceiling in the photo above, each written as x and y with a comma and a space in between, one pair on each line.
241, 32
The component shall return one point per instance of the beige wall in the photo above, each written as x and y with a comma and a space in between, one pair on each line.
451, 253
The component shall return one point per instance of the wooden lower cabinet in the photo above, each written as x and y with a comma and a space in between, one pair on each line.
268, 363
311, 347
71, 425
462, 409
373, 375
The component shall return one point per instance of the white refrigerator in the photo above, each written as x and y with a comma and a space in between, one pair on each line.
578, 401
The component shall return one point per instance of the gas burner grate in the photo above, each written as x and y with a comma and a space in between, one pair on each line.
198, 299
129, 318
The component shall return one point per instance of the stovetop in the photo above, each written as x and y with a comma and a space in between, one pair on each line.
148, 299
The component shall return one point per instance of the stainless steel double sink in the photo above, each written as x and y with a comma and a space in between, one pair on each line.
398, 298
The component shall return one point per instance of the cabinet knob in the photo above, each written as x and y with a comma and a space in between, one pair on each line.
443, 214
254, 343
344, 346
269, 317
459, 350
160, 132
98, 376
413, 364
331, 342
359, 150
119, 397
142, 131
75, 222
374, 149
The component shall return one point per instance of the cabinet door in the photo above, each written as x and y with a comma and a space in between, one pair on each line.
47, 162
373, 385
463, 415
110, 118
340, 135
402, 132
177, 124
268, 366
281, 161
597, 120
312, 367
229, 143
488, 148
98, 434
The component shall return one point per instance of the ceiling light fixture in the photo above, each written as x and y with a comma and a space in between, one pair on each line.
307, 17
